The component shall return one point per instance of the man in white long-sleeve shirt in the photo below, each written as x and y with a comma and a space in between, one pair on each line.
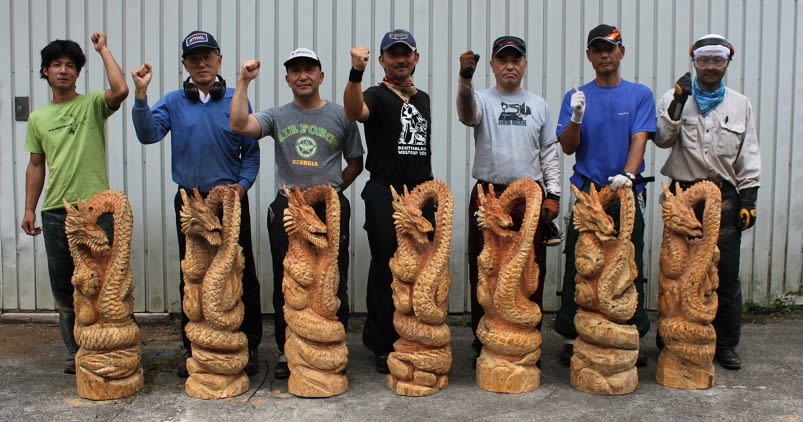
514, 139
714, 138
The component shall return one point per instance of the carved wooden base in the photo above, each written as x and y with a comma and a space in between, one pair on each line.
675, 372
209, 386
316, 369
109, 375
94, 387
417, 370
605, 371
499, 375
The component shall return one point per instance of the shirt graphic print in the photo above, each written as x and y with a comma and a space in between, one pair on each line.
513, 114
413, 135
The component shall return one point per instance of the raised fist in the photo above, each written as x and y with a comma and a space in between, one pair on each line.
359, 57
468, 64
578, 104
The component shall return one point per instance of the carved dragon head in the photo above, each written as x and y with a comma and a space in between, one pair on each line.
491, 215
590, 215
199, 219
408, 217
81, 227
300, 219
678, 214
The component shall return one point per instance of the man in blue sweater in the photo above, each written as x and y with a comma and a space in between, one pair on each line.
205, 154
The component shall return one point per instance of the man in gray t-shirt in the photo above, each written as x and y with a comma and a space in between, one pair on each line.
311, 135
514, 139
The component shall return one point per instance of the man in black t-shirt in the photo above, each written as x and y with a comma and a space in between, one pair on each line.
397, 122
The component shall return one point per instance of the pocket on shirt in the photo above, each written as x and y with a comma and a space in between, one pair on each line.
731, 134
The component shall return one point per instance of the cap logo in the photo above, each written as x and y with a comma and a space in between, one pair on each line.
397, 36
195, 39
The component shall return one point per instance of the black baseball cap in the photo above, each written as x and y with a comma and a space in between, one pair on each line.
509, 41
397, 36
607, 33
198, 39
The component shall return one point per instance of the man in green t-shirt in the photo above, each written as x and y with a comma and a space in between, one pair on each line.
67, 135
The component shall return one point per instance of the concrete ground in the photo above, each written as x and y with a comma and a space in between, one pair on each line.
33, 387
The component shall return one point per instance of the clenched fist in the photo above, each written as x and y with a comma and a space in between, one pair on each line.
359, 57
249, 69
578, 104
468, 64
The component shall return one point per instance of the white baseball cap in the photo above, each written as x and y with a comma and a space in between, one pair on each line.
302, 53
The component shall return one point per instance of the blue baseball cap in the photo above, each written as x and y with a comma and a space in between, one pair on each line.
198, 39
397, 36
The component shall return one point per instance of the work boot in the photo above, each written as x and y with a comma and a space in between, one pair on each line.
69, 366
565, 357
252, 367
381, 362
281, 371
728, 358
181, 370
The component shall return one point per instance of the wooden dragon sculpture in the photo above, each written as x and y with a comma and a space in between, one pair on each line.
508, 276
316, 341
606, 350
687, 298
108, 361
420, 364
213, 270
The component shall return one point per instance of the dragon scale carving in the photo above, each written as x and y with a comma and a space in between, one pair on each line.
108, 361
606, 349
508, 276
316, 341
213, 269
687, 299
420, 364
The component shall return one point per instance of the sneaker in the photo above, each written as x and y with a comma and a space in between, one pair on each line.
181, 370
69, 367
252, 367
728, 358
565, 357
552, 234
382, 363
281, 371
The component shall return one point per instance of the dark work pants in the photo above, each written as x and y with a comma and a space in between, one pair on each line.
60, 268
476, 243
564, 321
252, 320
379, 334
278, 248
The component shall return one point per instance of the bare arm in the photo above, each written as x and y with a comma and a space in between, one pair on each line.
118, 89
353, 169
240, 120
570, 138
34, 182
638, 145
353, 101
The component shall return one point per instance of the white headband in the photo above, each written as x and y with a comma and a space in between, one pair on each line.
712, 50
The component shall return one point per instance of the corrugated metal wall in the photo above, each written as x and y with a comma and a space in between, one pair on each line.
766, 68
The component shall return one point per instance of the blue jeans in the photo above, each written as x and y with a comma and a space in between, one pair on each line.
60, 268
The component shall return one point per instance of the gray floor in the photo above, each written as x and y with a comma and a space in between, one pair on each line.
768, 388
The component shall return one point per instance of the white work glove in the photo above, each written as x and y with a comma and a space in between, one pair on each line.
578, 103
621, 179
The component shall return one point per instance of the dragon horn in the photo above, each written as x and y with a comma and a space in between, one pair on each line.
667, 192
678, 189
393, 193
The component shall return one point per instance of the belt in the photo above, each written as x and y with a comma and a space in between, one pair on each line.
281, 190
721, 184
397, 185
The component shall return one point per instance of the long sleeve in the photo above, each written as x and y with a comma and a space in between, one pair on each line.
667, 131
151, 125
550, 166
250, 157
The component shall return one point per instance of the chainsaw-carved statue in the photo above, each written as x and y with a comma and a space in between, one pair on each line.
108, 360
687, 298
422, 355
316, 341
213, 270
508, 276
606, 349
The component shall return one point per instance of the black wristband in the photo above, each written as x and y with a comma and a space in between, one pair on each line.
553, 196
355, 75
